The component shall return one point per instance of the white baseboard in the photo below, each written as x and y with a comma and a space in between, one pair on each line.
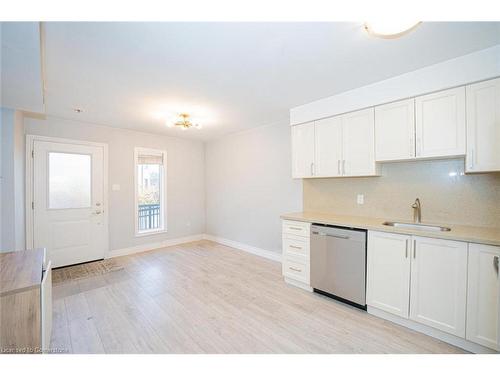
154, 245
249, 249
440, 335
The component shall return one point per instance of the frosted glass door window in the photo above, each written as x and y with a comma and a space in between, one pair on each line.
69, 180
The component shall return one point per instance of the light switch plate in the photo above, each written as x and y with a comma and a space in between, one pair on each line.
361, 199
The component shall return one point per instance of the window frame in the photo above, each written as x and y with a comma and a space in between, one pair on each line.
163, 186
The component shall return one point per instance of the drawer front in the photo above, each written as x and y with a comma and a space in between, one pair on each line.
296, 270
297, 228
296, 246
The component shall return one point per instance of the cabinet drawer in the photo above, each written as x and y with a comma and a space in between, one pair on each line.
297, 228
296, 270
295, 246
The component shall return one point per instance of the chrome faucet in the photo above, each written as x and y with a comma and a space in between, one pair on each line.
417, 211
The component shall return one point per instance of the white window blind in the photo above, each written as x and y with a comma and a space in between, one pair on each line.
150, 159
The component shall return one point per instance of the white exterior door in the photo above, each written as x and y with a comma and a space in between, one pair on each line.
388, 272
359, 143
328, 147
439, 284
395, 130
303, 150
483, 310
68, 197
440, 123
483, 126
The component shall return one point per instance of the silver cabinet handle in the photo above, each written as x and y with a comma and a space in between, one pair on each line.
414, 249
406, 250
295, 269
495, 263
97, 212
295, 247
312, 169
471, 164
338, 166
343, 167
295, 228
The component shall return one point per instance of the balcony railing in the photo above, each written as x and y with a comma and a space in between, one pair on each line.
149, 216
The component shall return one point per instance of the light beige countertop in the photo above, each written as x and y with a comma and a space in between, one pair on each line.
483, 235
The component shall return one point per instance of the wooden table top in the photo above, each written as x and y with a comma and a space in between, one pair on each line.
20, 270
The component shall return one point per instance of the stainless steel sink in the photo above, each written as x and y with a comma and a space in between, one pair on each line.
415, 226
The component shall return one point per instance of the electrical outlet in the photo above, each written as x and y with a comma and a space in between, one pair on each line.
361, 199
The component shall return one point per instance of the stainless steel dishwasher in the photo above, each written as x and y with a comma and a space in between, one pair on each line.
338, 263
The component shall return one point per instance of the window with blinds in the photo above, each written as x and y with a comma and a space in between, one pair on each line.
150, 187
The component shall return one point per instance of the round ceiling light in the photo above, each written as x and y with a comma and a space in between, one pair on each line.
390, 29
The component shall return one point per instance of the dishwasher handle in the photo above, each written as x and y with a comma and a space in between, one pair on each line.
331, 235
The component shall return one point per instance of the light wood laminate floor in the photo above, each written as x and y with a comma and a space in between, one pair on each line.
204, 297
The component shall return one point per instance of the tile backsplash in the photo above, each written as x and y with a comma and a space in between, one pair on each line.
446, 193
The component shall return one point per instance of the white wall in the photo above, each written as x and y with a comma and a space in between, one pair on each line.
185, 177
249, 185
12, 172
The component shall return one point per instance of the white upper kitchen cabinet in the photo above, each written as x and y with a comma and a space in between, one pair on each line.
483, 296
440, 123
395, 131
439, 284
303, 150
358, 131
483, 126
328, 147
388, 272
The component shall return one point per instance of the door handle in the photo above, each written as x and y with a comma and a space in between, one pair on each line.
343, 167
295, 247
406, 250
414, 249
338, 166
295, 269
312, 169
495, 263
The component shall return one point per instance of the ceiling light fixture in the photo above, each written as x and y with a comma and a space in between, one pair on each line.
78, 110
184, 123
390, 29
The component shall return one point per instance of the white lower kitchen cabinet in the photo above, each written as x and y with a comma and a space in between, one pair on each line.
296, 237
388, 272
483, 296
443, 288
438, 292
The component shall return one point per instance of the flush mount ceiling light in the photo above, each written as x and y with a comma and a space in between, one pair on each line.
184, 123
390, 29
77, 110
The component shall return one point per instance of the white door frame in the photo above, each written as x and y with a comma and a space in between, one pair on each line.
30, 139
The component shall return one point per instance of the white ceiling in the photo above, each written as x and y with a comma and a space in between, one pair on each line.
231, 76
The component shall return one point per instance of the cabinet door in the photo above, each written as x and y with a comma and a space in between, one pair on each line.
483, 126
303, 150
395, 131
482, 295
438, 284
388, 272
440, 123
358, 130
328, 147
